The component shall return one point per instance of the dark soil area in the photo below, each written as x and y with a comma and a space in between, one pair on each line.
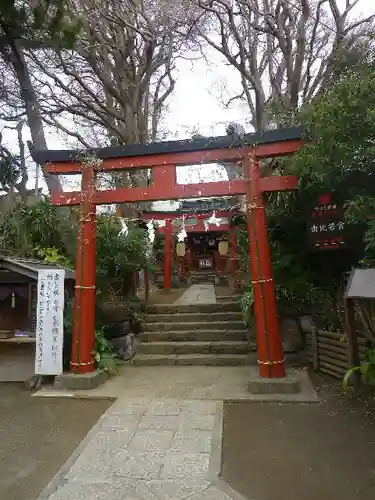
37, 435
292, 451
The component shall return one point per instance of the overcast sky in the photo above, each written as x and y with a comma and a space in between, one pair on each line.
196, 103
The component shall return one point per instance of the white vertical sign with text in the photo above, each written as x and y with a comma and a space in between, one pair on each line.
50, 322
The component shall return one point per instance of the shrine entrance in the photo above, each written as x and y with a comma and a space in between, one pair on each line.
203, 248
202, 240
162, 158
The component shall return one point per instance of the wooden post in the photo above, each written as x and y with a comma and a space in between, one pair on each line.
233, 257
217, 263
84, 302
190, 260
168, 237
147, 283
189, 266
270, 351
351, 337
315, 347
181, 267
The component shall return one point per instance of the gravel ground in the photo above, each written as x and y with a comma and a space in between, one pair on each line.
37, 435
302, 452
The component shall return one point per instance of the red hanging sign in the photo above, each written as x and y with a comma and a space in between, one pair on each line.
327, 225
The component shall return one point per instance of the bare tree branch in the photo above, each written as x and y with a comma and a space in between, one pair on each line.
284, 51
120, 73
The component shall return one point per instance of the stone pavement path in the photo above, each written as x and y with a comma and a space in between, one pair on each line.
198, 294
148, 450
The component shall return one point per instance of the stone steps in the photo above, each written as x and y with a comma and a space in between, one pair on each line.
204, 335
196, 347
197, 278
194, 325
195, 359
195, 333
226, 305
229, 300
198, 317
201, 281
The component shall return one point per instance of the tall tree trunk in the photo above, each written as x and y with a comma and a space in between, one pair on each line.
34, 119
16, 58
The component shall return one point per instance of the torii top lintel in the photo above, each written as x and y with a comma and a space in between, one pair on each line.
161, 155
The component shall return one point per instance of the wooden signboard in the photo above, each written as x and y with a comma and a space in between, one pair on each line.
205, 263
50, 322
326, 225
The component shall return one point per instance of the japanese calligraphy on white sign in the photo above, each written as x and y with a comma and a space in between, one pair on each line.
50, 322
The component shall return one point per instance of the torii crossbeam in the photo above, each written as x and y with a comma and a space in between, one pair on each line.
162, 158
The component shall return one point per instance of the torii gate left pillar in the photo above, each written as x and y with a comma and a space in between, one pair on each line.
165, 187
84, 301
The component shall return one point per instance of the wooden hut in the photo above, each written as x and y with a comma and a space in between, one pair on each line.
18, 309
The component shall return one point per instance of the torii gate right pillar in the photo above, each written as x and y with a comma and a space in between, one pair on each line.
270, 350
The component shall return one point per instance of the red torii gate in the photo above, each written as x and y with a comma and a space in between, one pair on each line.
162, 158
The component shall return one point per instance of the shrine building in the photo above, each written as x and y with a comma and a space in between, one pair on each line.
204, 237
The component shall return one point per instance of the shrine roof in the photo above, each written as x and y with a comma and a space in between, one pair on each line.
30, 267
180, 146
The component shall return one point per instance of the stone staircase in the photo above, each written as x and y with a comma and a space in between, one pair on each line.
199, 334
202, 276
233, 298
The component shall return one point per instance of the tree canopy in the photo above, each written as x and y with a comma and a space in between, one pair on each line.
340, 129
283, 52
338, 157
